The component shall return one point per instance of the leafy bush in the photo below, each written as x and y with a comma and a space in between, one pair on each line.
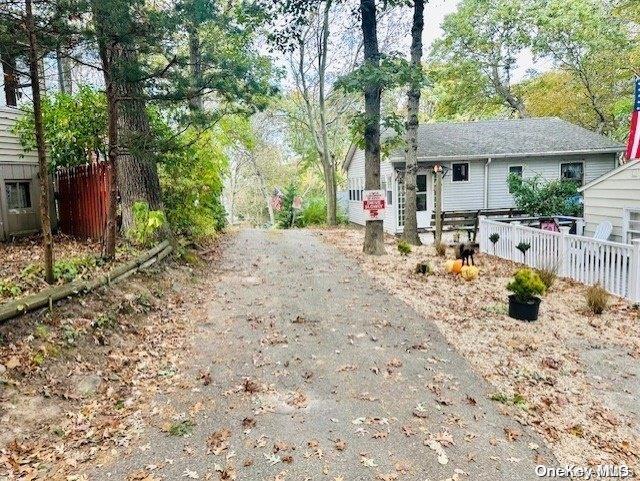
597, 299
494, 238
545, 198
65, 270
9, 288
314, 212
75, 127
404, 247
526, 285
146, 224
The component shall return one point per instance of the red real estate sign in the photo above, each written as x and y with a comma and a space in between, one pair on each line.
374, 203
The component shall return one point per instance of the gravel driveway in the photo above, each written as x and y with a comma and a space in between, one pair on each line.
306, 370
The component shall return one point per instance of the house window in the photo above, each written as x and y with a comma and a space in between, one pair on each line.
573, 171
631, 227
460, 172
515, 170
18, 195
421, 193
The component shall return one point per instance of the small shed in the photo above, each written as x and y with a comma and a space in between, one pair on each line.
615, 197
19, 186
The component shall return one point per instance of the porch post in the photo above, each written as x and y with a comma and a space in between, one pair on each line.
634, 273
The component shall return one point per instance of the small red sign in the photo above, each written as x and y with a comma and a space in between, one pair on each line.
373, 203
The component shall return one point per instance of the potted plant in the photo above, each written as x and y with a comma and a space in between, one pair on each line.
524, 303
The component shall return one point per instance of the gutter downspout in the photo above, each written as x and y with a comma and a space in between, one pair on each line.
486, 183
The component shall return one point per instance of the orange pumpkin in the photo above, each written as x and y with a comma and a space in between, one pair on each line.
453, 267
457, 266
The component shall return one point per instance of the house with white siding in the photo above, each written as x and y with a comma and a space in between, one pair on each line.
19, 186
615, 198
477, 158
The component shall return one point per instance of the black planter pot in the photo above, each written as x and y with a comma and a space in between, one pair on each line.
524, 311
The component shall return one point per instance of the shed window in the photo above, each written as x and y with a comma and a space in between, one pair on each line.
573, 171
460, 172
18, 195
389, 191
631, 225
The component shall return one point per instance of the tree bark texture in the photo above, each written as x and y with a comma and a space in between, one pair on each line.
43, 168
410, 233
11, 81
374, 233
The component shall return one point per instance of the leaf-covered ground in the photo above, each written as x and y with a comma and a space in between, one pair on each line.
21, 261
573, 376
301, 368
75, 382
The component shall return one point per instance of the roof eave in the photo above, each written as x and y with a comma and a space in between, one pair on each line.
449, 158
608, 175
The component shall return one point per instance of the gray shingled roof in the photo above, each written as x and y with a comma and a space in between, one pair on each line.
507, 138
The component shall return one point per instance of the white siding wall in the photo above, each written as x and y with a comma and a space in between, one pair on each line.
547, 167
355, 177
464, 195
605, 201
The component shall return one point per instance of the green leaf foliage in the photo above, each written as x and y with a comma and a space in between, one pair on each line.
536, 196
526, 285
74, 127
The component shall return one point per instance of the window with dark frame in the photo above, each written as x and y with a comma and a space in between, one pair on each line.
573, 171
516, 170
421, 193
18, 194
460, 172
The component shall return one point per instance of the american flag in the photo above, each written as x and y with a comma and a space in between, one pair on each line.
633, 147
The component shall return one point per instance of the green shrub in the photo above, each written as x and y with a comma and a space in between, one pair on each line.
314, 212
523, 247
526, 285
404, 247
65, 270
146, 224
287, 218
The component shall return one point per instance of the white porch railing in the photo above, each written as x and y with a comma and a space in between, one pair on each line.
614, 266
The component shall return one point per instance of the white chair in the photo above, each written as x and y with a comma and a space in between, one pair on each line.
603, 231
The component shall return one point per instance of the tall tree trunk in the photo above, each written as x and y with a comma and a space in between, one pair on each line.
11, 82
196, 99
327, 158
43, 170
64, 71
410, 233
374, 234
136, 170
110, 234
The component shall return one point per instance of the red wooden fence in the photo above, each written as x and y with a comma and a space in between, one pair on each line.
83, 200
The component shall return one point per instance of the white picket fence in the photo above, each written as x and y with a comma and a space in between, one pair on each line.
614, 266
